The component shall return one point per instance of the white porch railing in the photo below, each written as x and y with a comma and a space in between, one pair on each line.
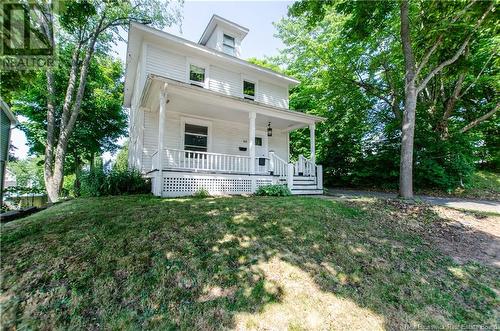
304, 167
226, 163
184, 159
277, 165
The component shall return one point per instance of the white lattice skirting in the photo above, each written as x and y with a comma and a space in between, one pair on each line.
177, 184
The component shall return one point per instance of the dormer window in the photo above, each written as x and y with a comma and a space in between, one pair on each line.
228, 45
223, 35
248, 90
196, 75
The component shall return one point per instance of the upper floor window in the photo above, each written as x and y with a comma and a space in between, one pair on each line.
248, 90
228, 45
196, 75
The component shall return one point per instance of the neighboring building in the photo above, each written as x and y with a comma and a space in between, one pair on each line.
7, 122
10, 179
203, 118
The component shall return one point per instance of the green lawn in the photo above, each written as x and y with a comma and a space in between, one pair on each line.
294, 263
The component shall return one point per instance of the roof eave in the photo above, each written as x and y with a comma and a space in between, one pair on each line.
9, 113
212, 24
304, 116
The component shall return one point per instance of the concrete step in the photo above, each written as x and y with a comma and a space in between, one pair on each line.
307, 192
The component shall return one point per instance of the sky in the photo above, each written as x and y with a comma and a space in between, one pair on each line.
257, 16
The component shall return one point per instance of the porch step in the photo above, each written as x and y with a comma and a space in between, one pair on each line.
307, 192
304, 179
305, 185
311, 186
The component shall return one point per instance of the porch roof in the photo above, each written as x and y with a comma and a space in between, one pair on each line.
281, 118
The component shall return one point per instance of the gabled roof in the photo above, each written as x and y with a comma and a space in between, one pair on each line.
214, 21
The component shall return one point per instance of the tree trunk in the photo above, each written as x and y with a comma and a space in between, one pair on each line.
408, 125
407, 137
68, 121
49, 144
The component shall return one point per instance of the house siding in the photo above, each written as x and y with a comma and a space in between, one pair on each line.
150, 139
4, 144
229, 82
225, 81
213, 41
165, 63
272, 94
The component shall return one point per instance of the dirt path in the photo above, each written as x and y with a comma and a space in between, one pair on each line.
465, 204
465, 235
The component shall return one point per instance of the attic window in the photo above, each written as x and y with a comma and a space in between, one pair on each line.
196, 75
228, 45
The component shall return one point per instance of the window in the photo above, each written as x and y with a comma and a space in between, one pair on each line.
258, 141
197, 75
195, 138
228, 45
248, 90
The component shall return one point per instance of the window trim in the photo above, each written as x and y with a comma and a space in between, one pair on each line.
199, 64
195, 121
248, 96
224, 44
250, 80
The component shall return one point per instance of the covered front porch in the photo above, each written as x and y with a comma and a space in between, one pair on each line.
223, 144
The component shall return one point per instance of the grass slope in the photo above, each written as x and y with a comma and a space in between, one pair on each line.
485, 185
249, 263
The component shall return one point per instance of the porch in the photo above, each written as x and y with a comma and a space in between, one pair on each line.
199, 139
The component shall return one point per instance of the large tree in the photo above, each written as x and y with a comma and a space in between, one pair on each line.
102, 119
419, 72
401, 66
87, 26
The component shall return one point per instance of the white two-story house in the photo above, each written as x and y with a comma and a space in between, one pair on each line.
203, 118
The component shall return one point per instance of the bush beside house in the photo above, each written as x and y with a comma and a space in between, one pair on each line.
97, 182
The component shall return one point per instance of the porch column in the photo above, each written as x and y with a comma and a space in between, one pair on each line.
161, 137
251, 142
312, 129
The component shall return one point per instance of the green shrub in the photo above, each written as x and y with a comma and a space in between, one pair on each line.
273, 191
92, 183
97, 182
127, 182
201, 193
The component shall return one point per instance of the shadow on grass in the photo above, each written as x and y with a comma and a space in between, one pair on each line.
142, 262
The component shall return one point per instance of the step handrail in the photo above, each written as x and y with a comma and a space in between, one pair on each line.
277, 165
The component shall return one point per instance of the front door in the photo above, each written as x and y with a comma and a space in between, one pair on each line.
261, 155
